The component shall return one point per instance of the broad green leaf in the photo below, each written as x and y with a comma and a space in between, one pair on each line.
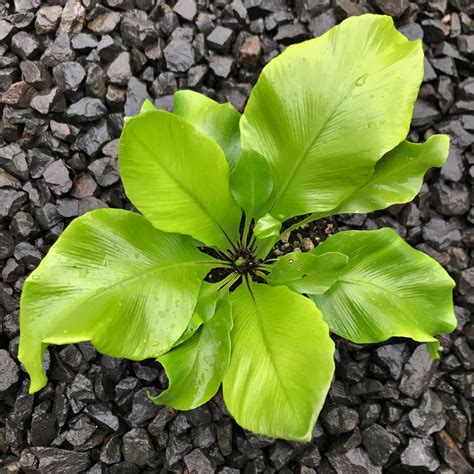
387, 289
219, 121
267, 226
281, 363
204, 310
306, 272
326, 110
267, 232
251, 182
178, 178
398, 176
112, 279
147, 106
195, 368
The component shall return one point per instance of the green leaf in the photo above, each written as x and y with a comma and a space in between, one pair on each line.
218, 121
387, 289
112, 279
195, 368
251, 182
178, 178
147, 106
306, 272
267, 232
281, 363
398, 176
267, 226
326, 110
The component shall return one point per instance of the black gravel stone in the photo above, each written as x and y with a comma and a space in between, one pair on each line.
137, 447
35, 74
179, 55
60, 51
430, 416
197, 462
8, 371
120, 70
43, 429
417, 373
87, 109
380, 443
57, 460
25, 45
220, 39
103, 416
340, 419
69, 76
420, 454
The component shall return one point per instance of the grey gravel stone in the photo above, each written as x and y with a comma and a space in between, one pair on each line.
8, 371
58, 52
417, 373
197, 462
104, 417
58, 460
93, 140
25, 45
179, 55
340, 419
137, 447
48, 101
35, 74
420, 454
57, 177
69, 76
43, 429
11, 201
136, 95
355, 461
186, 9
87, 109
430, 416
393, 356
6, 245
119, 72
220, 39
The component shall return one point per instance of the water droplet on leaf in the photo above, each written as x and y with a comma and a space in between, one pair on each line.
361, 80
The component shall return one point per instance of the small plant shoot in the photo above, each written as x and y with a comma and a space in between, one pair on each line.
192, 282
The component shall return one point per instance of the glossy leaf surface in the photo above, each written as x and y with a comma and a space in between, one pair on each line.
195, 368
218, 121
281, 364
267, 232
387, 289
306, 272
168, 169
324, 111
398, 176
251, 182
112, 279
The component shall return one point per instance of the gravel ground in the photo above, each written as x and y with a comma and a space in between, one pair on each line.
69, 71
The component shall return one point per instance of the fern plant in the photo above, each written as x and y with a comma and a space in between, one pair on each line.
323, 133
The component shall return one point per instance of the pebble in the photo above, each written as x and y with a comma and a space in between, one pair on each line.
179, 55
417, 373
137, 447
120, 71
420, 454
8, 371
69, 76
86, 109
